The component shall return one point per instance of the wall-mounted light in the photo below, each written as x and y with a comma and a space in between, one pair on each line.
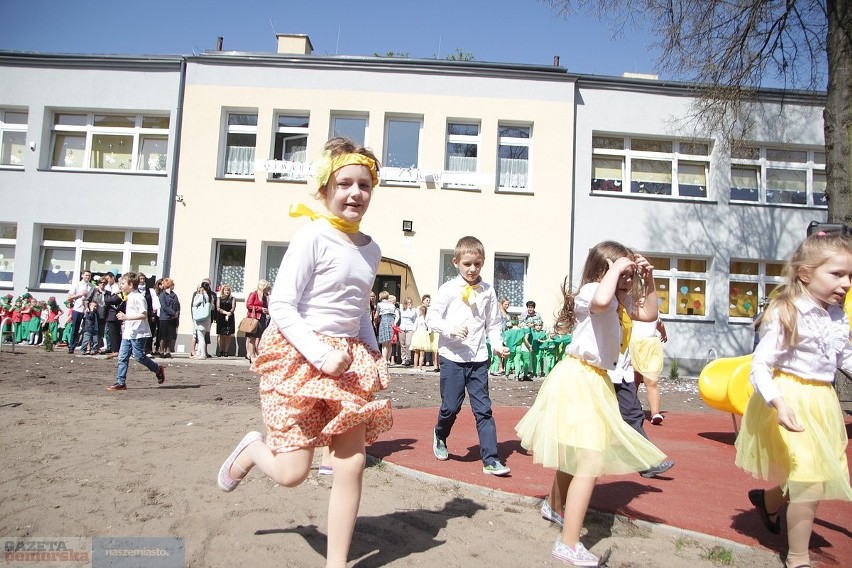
408, 226
33, 145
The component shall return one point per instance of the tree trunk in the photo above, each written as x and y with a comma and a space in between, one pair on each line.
837, 117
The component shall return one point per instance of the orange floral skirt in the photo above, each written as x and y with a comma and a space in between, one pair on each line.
304, 408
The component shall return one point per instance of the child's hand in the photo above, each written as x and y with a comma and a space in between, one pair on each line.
336, 363
121, 316
620, 264
502, 352
643, 267
786, 416
459, 331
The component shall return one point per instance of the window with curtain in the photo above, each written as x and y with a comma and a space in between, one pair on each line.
240, 143
681, 284
513, 157
291, 147
462, 154
274, 256
110, 141
8, 237
510, 273
13, 137
231, 266
659, 167
788, 176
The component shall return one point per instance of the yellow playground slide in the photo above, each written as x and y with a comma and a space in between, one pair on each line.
724, 384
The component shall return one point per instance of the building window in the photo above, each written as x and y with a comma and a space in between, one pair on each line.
751, 281
274, 256
448, 269
230, 265
291, 148
240, 142
111, 142
66, 252
402, 150
8, 236
513, 156
510, 274
13, 137
460, 165
681, 285
350, 126
778, 176
654, 167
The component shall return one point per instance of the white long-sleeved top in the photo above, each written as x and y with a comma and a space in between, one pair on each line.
481, 316
823, 347
596, 338
323, 286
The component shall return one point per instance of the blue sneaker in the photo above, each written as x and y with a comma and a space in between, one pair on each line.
497, 469
439, 447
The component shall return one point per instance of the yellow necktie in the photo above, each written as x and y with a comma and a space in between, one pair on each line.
469, 293
626, 327
300, 209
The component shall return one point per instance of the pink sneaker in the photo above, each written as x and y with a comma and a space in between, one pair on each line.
226, 482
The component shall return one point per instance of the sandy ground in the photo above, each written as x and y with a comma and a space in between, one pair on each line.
82, 462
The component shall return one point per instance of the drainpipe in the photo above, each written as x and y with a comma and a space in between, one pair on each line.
573, 189
170, 224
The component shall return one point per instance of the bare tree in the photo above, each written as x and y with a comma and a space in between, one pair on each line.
730, 49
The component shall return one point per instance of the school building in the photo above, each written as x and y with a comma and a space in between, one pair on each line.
537, 162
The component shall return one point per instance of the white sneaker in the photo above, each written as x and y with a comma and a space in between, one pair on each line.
497, 469
548, 514
576, 555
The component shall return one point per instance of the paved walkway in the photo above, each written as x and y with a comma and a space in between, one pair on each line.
705, 492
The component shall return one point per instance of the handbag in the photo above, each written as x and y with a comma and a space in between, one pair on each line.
249, 325
201, 312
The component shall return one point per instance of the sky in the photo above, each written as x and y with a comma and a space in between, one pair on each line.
503, 31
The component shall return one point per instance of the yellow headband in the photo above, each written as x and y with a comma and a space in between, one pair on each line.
325, 165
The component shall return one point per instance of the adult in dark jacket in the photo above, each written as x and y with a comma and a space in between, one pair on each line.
114, 304
169, 317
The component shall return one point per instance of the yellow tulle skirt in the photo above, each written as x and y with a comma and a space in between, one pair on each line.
647, 356
809, 465
421, 340
575, 426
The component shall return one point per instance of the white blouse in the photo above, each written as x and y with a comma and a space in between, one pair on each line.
596, 338
823, 347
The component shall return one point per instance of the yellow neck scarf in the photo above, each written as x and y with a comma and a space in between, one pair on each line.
300, 209
469, 293
626, 327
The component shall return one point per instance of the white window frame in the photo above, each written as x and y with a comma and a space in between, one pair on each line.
79, 247
365, 117
446, 270
462, 179
498, 288
16, 152
89, 131
627, 155
280, 168
244, 168
813, 167
395, 174
515, 142
8, 239
671, 290
237, 281
761, 282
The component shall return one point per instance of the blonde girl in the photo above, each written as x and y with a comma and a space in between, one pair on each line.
318, 362
575, 425
421, 340
646, 351
793, 431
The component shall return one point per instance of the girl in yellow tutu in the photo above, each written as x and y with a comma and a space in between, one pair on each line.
646, 351
574, 425
319, 363
793, 432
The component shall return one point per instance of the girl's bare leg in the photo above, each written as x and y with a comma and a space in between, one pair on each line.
653, 389
576, 504
559, 491
348, 460
286, 468
800, 522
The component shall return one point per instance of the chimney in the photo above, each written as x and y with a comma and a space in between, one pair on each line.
219, 41
294, 44
556, 61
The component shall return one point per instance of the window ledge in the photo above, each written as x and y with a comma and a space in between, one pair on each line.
513, 191
276, 180
686, 319
10, 168
472, 189
779, 205
236, 178
733, 320
104, 172
393, 183
652, 197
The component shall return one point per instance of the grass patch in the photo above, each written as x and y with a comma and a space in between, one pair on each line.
720, 555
